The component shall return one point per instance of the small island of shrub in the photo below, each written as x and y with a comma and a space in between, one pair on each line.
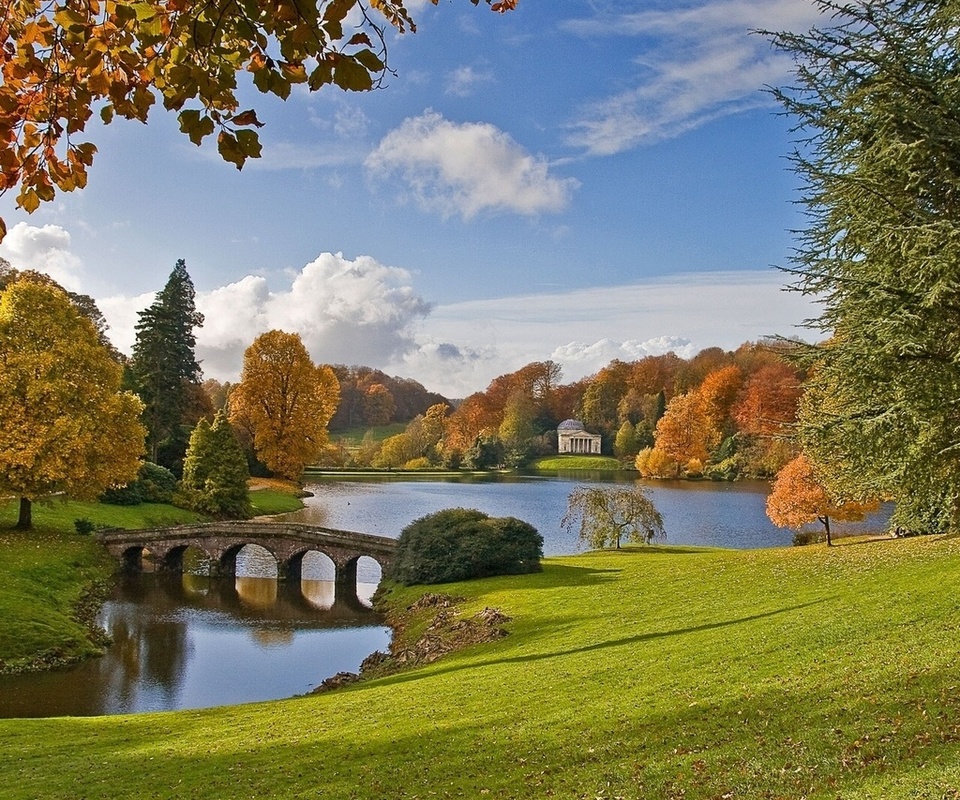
457, 544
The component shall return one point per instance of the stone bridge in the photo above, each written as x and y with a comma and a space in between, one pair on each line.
222, 541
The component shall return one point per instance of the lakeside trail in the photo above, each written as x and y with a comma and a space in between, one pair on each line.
660, 672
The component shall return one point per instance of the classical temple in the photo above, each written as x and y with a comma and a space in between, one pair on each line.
573, 438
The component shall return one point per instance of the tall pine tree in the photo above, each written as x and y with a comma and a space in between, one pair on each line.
876, 102
165, 367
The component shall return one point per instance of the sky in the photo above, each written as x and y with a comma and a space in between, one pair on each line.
578, 180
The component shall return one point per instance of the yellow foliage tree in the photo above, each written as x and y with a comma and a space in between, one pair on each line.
685, 431
285, 402
65, 426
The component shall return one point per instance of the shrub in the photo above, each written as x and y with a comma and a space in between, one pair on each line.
802, 538
418, 463
84, 526
458, 544
154, 484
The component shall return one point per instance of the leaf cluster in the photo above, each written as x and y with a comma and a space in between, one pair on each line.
63, 60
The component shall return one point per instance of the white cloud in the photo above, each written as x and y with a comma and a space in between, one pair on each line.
585, 329
362, 312
463, 81
698, 63
353, 312
468, 168
44, 249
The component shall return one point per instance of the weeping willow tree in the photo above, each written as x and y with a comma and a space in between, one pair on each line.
877, 109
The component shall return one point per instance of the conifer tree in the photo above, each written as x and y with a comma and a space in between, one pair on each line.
165, 367
876, 107
215, 471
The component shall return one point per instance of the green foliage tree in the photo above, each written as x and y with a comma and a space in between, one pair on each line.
875, 104
65, 426
604, 516
165, 367
458, 544
626, 445
215, 471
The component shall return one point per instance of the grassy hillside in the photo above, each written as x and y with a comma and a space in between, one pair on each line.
574, 462
657, 673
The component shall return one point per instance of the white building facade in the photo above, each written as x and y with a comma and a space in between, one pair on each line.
573, 438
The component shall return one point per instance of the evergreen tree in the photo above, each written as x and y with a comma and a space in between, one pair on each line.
215, 471
876, 102
165, 368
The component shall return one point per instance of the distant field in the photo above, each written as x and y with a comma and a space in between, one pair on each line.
352, 438
604, 463
662, 672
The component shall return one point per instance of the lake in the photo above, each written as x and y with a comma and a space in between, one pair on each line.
190, 641
703, 513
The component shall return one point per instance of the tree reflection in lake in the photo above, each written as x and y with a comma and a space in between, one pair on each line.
190, 641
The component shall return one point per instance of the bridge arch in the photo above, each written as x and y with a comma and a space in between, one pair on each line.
287, 543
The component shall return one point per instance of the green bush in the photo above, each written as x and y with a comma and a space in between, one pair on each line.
458, 544
154, 484
84, 526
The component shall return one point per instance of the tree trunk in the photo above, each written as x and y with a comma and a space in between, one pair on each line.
826, 524
25, 522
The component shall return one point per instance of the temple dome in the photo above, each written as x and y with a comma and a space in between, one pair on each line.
570, 425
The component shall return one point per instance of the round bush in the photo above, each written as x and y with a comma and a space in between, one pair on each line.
459, 543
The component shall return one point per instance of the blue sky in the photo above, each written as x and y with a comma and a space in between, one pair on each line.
574, 180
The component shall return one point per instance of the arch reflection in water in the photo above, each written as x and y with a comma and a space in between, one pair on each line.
184, 641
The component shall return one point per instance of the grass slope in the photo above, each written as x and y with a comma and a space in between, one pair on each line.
559, 463
46, 579
657, 673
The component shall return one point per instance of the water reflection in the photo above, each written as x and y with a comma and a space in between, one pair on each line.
191, 641
694, 512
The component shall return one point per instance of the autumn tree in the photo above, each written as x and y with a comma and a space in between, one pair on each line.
63, 62
875, 102
285, 401
604, 516
165, 368
718, 393
798, 498
215, 471
65, 426
685, 431
378, 405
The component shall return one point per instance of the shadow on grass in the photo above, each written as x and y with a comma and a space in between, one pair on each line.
627, 640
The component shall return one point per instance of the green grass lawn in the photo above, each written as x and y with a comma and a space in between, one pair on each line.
60, 515
273, 501
646, 673
45, 577
604, 463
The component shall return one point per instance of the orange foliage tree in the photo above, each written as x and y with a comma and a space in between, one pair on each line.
769, 401
798, 498
285, 401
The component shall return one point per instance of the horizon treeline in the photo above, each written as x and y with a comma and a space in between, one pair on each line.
723, 414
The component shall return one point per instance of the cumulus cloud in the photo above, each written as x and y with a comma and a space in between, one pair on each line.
346, 311
584, 329
45, 249
582, 358
468, 168
697, 63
